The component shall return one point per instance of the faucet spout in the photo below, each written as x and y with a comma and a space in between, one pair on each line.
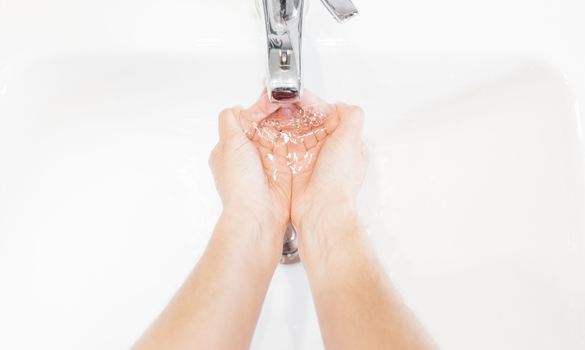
284, 30
284, 21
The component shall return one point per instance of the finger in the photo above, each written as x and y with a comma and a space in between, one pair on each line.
213, 156
275, 166
365, 151
351, 122
229, 124
280, 147
320, 133
331, 123
312, 102
259, 110
266, 138
310, 140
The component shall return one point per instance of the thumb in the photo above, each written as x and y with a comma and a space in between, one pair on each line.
229, 124
259, 110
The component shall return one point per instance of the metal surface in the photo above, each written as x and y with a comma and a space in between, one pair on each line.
290, 248
284, 28
342, 10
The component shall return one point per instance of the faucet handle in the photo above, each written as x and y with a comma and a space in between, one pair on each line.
290, 9
342, 10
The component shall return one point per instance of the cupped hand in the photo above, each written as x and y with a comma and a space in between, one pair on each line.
244, 173
324, 197
312, 180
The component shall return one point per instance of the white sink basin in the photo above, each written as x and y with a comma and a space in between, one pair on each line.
474, 198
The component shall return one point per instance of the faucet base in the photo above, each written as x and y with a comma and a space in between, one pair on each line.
290, 248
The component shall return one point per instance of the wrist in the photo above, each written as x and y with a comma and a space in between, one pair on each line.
322, 253
323, 232
318, 217
258, 242
268, 219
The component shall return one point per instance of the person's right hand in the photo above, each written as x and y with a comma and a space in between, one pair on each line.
324, 198
251, 193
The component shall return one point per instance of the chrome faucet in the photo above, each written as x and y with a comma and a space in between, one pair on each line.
284, 31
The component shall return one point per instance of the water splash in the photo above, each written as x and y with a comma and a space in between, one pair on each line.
293, 133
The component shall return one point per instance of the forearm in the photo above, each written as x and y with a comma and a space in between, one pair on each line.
218, 305
356, 304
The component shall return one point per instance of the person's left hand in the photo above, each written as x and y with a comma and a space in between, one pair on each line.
254, 182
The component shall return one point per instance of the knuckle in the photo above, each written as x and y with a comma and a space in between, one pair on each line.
224, 114
213, 156
357, 110
211, 161
358, 114
365, 152
354, 115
